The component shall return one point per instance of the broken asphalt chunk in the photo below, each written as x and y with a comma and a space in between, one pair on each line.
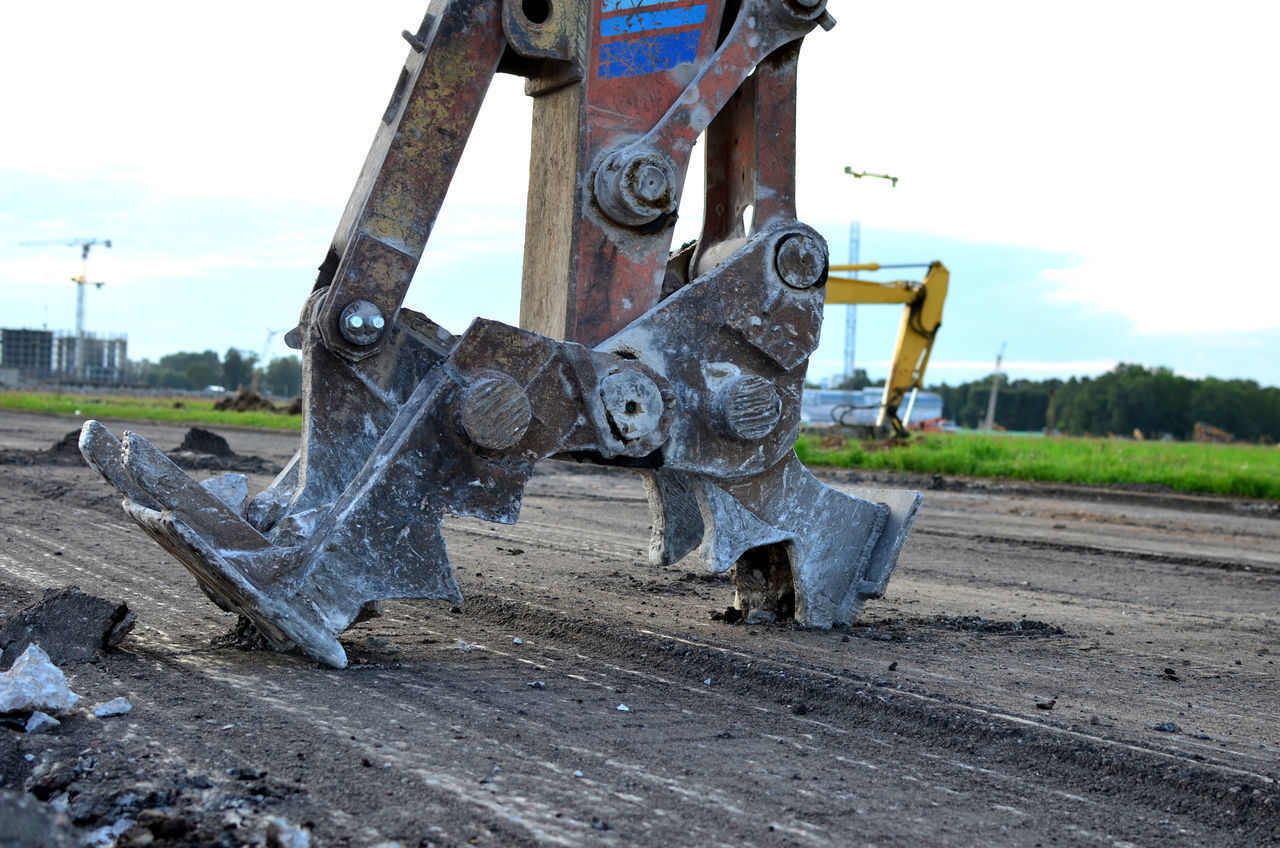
41, 722
68, 625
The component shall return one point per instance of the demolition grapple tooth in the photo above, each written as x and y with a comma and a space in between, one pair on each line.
687, 367
103, 452
223, 552
797, 547
304, 594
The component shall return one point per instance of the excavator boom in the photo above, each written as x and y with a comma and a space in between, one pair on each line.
920, 322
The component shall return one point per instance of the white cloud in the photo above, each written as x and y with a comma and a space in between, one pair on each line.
254, 101
1138, 136
1133, 135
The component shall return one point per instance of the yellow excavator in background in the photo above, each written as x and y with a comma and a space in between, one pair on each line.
920, 323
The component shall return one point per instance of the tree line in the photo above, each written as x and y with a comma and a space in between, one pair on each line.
1155, 401
235, 370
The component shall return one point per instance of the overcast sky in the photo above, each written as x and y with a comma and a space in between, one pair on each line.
1101, 178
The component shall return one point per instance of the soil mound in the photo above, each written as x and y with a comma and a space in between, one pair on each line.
67, 446
202, 450
245, 400
199, 440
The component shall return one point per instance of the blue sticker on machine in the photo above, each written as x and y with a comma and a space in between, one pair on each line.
660, 38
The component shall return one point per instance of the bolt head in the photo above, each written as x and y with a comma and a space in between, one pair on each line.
632, 403
361, 322
495, 412
748, 407
650, 184
802, 260
635, 187
804, 9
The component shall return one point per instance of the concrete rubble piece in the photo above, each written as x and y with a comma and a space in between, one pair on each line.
34, 684
686, 367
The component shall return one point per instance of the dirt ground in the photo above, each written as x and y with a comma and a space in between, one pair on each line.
1050, 666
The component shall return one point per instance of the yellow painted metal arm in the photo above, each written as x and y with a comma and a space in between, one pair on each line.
920, 322
856, 266
846, 290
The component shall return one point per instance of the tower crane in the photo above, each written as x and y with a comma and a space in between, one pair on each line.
85, 245
855, 247
266, 346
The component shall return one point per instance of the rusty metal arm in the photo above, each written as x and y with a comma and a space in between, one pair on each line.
388, 219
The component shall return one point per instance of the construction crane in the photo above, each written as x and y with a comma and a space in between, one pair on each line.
262, 357
893, 181
855, 248
85, 245
266, 346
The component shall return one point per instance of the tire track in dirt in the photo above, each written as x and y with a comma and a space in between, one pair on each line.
1258, 565
303, 695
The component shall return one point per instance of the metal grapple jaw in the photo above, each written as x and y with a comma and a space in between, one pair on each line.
355, 517
687, 366
701, 395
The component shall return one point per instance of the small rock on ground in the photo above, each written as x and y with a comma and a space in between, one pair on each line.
114, 707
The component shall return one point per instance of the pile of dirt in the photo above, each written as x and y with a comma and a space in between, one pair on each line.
70, 626
245, 400
67, 446
978, 624
65, 451
204, 450
200, 440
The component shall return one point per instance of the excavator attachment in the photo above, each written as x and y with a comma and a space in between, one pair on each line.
684, 367
916, 333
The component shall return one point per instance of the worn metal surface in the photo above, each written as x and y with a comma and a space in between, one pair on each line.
686, 367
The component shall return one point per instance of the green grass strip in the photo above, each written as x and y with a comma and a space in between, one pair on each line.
1251, 471
145, 408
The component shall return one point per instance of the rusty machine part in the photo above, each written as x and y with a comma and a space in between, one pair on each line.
686, 367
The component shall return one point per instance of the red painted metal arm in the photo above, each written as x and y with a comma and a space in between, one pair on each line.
389, 217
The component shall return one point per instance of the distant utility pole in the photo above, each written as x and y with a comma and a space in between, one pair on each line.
855, 256
851, 309
990, 423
